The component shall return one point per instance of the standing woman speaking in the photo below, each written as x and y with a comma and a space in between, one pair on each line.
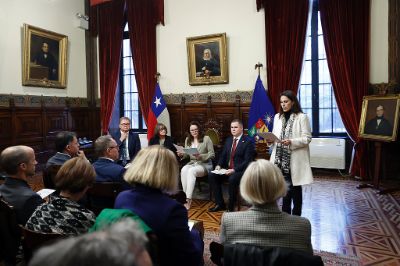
292, 153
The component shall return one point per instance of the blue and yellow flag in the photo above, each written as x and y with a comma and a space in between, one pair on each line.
261, 116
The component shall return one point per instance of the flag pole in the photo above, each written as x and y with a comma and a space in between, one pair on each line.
157, 76
258, 66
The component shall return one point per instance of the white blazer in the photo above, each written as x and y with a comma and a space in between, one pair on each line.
300, 152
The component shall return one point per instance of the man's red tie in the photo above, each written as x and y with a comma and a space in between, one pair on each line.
231, 164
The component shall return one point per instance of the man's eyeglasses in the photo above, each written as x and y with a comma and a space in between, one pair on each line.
125, 124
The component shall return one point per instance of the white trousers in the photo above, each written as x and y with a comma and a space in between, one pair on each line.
188, 176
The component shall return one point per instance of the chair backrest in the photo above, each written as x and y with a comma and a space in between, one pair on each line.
10, 236
213, 130
102, 195
32, 240
49, 174
179, 196
240, 254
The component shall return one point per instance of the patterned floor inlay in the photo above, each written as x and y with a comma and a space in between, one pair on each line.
344, 219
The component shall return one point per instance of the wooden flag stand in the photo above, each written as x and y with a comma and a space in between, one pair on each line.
376, 178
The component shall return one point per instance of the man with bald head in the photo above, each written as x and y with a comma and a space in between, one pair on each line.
19, 162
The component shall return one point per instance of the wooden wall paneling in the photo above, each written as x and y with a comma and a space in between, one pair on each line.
78, 122
28, 125
175, 115
6, 127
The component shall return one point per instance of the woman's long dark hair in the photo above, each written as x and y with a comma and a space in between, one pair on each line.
296, 108
201, 135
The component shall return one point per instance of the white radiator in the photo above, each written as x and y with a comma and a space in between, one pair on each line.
328, 153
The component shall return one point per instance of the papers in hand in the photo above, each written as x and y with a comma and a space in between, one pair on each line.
189, 151
190, 224
219, 172
269, 136
45, 192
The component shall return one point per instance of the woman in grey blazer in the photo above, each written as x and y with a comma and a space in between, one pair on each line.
264, 224
200, 164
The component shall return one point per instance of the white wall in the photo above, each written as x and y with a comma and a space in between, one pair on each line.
53, 15
379, 68
245, 31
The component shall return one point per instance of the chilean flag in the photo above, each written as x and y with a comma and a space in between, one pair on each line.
158, 113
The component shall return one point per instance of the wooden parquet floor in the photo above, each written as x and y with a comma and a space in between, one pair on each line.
344, 220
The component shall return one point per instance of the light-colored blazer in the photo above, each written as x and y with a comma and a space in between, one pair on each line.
205, 148
300, 152
266, 226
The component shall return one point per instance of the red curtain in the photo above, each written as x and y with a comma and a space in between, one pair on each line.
143, 16
285, 30
110, 29
345, 24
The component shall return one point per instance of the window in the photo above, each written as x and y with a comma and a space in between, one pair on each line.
316, 94
129, 96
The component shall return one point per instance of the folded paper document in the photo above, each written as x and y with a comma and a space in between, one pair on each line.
219, 172
45, 192
269, 136
190, 151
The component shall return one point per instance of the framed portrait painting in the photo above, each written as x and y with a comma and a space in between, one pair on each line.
44, 61
207, 59
379, 117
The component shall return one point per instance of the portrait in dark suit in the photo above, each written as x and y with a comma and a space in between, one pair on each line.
207, 59
44, 58
379, 118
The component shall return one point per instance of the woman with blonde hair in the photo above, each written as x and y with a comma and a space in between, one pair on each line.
200, 164
266, 225
153, 173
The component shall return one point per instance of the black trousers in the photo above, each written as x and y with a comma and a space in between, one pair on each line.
295, 195
216, 181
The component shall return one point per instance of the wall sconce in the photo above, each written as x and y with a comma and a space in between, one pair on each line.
82, 21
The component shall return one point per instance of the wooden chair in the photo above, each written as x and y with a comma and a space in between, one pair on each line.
32, 240
102, 195
213, 130
49, 174
10, 235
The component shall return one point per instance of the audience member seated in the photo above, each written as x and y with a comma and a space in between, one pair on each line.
161, 138
122, 244
236, 155
127, 140
67, 147
18, 163
200, 164
154, 172
107, 170
266, 225
62, 214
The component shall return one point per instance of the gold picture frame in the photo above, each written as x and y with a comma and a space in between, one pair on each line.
379, 117
44, 61
207, 59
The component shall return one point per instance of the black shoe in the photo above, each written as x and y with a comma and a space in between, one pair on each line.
217, 208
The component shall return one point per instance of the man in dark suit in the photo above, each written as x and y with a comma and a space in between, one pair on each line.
107, 170
379, 125
127, 140
19, 163
67, 146
236, 155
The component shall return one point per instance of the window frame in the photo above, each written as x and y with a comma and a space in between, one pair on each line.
141, 127
315, 60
